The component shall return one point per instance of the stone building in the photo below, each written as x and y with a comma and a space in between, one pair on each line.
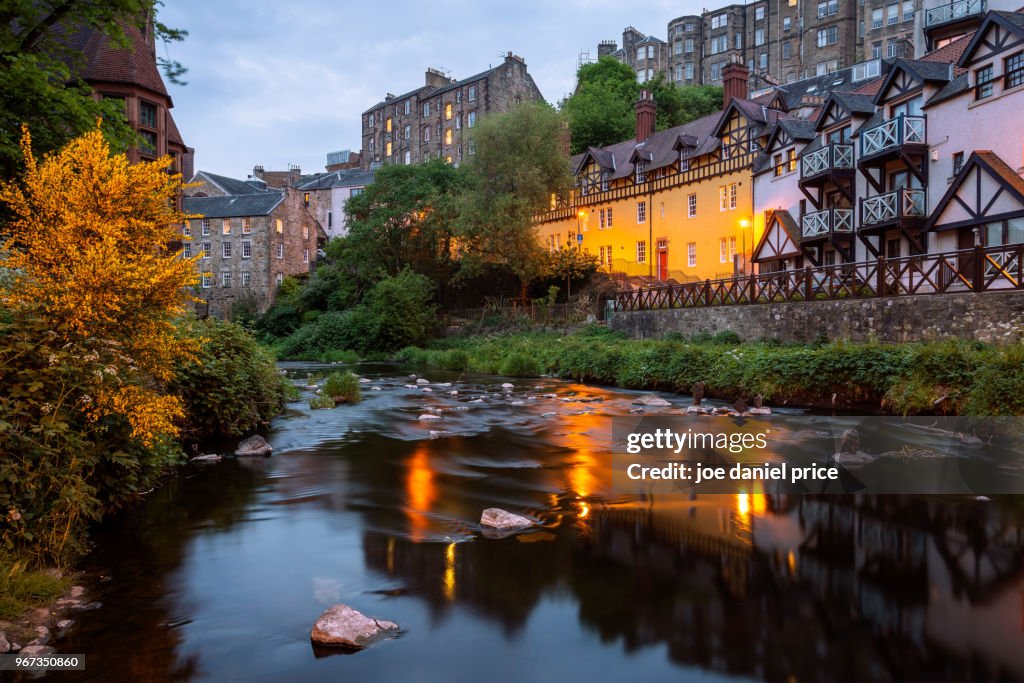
784, 41
249, 237
433, 121
327, 194
130, 73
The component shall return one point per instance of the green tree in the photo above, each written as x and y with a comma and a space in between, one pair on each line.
519, 164
570, 263
601, 111
38, 82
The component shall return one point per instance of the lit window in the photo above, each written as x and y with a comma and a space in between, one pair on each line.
279, 226
305, 232
448, 112
246, 226
387, 149
387, 126
226, 226
448, 136
186, 229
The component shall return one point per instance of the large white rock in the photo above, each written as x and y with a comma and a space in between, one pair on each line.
502, 519
651, 400
342, 626
508, 385
255, 445
422, 381
427, 417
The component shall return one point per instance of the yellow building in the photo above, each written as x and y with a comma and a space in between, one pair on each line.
670, 205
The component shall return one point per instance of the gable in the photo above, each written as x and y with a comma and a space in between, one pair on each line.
985, 190
899, 82
776, 242
995, 36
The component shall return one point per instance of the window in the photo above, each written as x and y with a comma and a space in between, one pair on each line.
387, 125
207, 248
448, 112
958, 162
641, 212
600, 220
147, 114
186, 250
679, 72
609, 216
720, 21
689, 71
892, 14
892, 49
408, 157
691, 205
777, 164
759, 36
892, 248
387, 149
225, 250
225, 279
280, 251
640, 53
472, 93
732, 248
689, 46
458, 97
640, 171
246, 226
355, 192
207, 280
369, 121
407, 133
983, 83
305, 232
764, 60
471, 147
426, 134
186, 229
426, 108
279, 279
828, 36
787, 51
723, 197
719, 44
470, 119
641, 252
759, 13
206, 227
279, 226
448, 136
739, 41
408, 107
732, 196
691, 254
716, 72
876, 50
786, 23
1014, 71
247, 249
791, 159
225, 226
677, 47
908, 10
246, 279
458, 122
876, 18
305, 255
723, 250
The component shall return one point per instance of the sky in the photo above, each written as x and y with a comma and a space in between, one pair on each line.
285, 82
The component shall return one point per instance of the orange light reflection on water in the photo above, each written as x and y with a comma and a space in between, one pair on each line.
421, 492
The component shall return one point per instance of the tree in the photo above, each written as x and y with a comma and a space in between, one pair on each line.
38, 84
519, 165
88, 252
601, 111
569, 263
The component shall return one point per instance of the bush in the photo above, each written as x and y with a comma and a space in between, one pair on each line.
342, 386
453, 359
339, 356
321, 402
233, 386
280, 321
520, 365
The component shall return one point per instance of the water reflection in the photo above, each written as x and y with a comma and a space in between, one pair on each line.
220, 575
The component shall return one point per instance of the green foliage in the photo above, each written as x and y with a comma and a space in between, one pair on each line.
571, 262
453, 359
520, 365
342, 386
601, 111
233, 387
22, 588
339, 356
280, 321
321, 402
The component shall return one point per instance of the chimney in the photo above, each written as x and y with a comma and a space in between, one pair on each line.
735, 78
645, 114
436, 78
257, 171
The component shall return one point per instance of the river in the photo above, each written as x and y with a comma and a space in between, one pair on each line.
220, 574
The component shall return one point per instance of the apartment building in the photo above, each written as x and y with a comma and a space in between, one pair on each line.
434, 121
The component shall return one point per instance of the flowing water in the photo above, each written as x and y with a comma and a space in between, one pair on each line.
220, 574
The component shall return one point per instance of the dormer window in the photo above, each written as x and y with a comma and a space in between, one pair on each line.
641, 171
684, 163
604, 181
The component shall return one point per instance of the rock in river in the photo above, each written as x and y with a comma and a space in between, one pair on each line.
651, 400
254, 446
342, 626
502, 519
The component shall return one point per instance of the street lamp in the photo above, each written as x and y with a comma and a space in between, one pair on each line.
744, 224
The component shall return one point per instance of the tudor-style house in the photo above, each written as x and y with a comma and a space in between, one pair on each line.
248, 237
926, 159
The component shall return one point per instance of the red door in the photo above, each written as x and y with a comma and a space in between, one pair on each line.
663, 264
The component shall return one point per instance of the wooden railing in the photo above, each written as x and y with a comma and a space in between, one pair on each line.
822, 223
953, 11
904, 129
981, 269
672, 179
832, 157
906, 202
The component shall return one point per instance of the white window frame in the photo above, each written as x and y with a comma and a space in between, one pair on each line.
280, 251
207, 280
225, 250
225, 279
691, 205
641, 251
246, 249
641, 212
691, 254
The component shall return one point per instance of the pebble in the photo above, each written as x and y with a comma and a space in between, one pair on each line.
426, 417
375, 389
507, 385
422, 381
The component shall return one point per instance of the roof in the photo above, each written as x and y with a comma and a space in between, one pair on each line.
348, 177
991, 163
950, 53
789, 226
101, 61
173, 135
926, 72
950, 90
431, 91
260, 204
856, 103
1013, 20
1002, 169
231, 186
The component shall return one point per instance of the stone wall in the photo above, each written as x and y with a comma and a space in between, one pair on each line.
989, 316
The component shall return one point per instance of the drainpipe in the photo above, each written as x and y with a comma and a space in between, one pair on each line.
650, 234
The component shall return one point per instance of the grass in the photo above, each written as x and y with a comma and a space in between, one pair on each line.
22, 589
343, 386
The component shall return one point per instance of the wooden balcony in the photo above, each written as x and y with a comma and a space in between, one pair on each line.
903, 208
904, 134
826, 224
831, 162
953, 12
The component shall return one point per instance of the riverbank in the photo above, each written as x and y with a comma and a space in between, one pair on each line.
949, 377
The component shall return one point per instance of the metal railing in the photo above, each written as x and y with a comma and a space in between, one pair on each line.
833, 156
981, 269
822, 223
902, 130
955, 10
892, 206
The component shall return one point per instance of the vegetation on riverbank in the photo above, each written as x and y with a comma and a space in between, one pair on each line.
952, 377
22, 588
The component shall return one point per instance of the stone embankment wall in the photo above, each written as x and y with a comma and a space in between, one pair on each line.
988, 316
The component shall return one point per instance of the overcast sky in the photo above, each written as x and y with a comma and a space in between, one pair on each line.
284, 81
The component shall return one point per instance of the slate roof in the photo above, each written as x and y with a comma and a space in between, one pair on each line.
259, 204
232, 186
1002, 169
950, 90
856, 102
348, 177
101, 61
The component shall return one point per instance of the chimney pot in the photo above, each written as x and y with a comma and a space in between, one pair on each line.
735, 80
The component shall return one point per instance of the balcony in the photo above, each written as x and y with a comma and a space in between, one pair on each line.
903, 206
832, 160
824, 224
901, 134
954, 11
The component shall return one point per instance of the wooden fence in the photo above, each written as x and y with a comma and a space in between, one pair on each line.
981, 269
